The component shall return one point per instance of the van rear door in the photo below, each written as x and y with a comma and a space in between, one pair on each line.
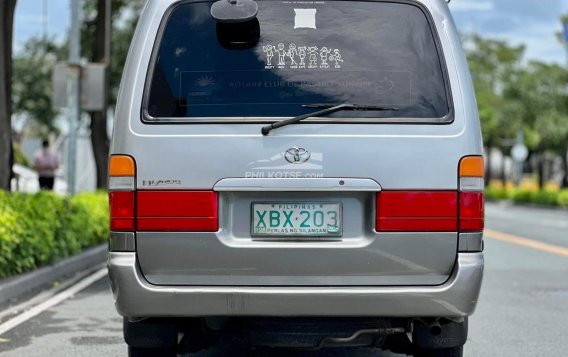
365, 197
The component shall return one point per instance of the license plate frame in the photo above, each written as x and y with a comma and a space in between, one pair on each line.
297, 234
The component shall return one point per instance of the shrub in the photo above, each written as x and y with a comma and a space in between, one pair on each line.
524, 196
39, 229
546, 198
562, 198
494, 192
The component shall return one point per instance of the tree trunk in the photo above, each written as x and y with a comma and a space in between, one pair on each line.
100, 144
488, 164
528, 165
503, 168
7, 8
541, 162
565, 166
99, 137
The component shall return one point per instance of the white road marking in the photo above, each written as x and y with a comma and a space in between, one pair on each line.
62, 296
41, 297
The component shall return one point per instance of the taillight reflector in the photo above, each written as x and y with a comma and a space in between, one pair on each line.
121, 165
416, 211
189, 211
471, 212
471, 166
121, 210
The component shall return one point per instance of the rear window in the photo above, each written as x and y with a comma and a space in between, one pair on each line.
328, 52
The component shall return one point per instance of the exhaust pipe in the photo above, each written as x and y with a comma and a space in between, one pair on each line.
344, 341
434, 327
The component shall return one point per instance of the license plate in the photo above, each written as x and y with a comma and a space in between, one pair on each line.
296, 219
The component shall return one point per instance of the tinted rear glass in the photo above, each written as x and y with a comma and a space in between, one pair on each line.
370, 53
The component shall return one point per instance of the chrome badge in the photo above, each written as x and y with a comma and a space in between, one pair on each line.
297, 155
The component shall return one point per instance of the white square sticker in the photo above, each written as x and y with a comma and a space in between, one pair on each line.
305, 18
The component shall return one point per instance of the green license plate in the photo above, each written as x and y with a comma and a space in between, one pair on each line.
301, 219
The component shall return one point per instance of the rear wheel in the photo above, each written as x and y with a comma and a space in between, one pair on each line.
151, 352
151, 337
444, 352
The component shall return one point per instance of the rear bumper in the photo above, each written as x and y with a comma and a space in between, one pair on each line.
135, 297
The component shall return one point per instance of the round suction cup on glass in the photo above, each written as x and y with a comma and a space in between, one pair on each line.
234, 11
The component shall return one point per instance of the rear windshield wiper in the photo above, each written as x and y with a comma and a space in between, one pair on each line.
328, 109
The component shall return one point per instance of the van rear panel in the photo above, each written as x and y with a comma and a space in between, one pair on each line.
359, 256
259, 173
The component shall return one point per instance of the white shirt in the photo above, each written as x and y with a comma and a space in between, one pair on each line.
46, 162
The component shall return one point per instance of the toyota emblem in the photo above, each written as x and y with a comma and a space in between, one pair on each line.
297, 155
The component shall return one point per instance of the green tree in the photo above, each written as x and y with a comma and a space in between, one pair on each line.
541, 89
494, 65
32, 85
564, 154
33, 67
512, 97
124, 17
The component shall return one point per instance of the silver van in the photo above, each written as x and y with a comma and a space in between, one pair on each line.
298, 174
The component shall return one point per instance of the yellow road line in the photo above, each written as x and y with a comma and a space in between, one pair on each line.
529, 243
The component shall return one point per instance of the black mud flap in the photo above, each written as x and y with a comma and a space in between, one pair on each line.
448, 334
150, 333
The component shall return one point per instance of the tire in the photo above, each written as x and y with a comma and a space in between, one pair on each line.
151, 352
444, 352
151, 334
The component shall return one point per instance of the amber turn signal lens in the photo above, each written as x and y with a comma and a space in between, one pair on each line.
472, 166
121, 165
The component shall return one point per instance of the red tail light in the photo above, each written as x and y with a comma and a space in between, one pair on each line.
177, 211
471, 185
471, 212
121, 210
437, 211
122, 170
416, 211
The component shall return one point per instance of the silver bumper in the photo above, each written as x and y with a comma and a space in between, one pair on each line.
135, 297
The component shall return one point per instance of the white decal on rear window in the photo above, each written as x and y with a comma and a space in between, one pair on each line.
292, 53
269, 50
305, 18
336, 57
281, 55
324, 52
294, 56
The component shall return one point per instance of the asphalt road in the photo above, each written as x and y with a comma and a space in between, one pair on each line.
523, 307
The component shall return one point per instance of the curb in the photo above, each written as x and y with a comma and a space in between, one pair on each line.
19, 285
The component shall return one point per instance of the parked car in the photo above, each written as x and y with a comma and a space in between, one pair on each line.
296, 174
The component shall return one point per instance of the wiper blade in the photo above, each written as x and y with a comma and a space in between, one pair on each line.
348, 106
327, 109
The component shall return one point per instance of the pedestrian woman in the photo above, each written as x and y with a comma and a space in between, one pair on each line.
45, 163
